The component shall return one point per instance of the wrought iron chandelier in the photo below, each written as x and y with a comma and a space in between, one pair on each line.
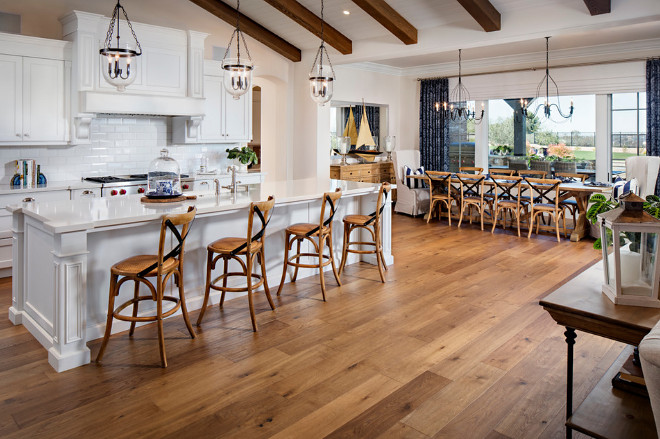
458, 107
321, 85
547, 106
119, 72
237, 78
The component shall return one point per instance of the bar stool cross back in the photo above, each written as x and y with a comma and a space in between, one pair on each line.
307, 231
162, 267
231, 248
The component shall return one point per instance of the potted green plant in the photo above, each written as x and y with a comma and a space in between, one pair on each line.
245, 157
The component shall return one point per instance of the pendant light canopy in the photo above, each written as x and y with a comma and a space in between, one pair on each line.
119, 71
458, 107
237, 71
547, 106
321, 77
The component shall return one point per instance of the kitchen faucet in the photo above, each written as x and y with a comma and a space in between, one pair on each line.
234, 183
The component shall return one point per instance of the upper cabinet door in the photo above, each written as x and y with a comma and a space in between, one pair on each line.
237, 115
44, 116
11, 90
211, 126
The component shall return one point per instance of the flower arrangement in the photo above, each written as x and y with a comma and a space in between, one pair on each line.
560, 150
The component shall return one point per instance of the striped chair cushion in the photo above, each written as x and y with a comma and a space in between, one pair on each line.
413, 183
622, 186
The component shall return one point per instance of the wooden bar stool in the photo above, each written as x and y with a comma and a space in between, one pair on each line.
372, 224
162, 267
307, 231
232, 248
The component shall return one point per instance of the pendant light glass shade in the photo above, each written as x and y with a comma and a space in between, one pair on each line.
237, 77
321, 77
120, 69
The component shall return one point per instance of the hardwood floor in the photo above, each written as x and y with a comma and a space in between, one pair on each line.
454, 345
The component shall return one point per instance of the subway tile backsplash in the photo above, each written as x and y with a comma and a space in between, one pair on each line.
119, 145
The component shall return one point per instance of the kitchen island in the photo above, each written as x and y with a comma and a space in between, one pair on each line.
63, 251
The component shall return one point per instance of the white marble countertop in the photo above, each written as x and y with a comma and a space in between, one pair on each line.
54, 186
89, 213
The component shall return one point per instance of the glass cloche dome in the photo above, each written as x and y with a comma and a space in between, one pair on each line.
164, 176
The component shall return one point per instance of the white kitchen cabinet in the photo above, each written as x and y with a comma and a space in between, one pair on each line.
34, 91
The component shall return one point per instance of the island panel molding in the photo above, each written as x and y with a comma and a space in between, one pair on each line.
61, 257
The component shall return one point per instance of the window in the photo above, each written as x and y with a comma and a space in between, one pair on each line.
461, 142
628, 128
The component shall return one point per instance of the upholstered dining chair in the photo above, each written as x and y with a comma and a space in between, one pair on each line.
411, 201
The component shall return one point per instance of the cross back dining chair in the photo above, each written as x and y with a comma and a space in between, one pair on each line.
533, 173
570, 203
441, 192
498, 172
372, 224
471, 170
507, 199
232, 248
472, 196
545, 202
163, 267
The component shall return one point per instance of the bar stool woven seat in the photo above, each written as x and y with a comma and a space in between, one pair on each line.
372, 224
231, 248
163, 267
297, 233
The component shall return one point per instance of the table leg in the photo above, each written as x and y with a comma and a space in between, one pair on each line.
582, 227
570, 341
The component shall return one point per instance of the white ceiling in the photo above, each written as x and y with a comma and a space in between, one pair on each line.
444, 27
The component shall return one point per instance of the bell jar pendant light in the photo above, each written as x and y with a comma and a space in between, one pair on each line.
119, 72
547, 106
237, 77
321, 85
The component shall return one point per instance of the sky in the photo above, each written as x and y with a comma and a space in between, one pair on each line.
584, 113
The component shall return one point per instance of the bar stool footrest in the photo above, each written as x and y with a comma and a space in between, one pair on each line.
151, 318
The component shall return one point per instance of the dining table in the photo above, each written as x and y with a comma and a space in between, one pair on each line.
573, 189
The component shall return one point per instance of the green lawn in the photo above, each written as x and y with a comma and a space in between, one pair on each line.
591, 155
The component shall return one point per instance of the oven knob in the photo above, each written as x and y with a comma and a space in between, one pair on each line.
185, 186
140, 190
122, 192
113, 192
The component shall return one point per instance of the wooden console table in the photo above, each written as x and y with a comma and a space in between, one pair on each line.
376, 172
606, 412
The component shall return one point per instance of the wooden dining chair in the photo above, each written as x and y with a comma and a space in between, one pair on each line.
570, 204
545, 202
507, 199
322, 232
252, 248
441, 192
471, 169
498, 172
533, 173
371, 223
163, 266
472, 196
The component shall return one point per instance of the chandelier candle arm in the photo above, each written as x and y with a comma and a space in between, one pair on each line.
119, 72
459, 108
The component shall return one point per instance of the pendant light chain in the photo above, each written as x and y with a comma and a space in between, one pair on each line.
238, 30
111, 28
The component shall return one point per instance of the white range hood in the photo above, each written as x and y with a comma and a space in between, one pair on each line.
170, 73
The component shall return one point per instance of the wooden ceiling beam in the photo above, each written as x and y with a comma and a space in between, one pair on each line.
307, 19
597, 7
226, 13
390, 19
484, 13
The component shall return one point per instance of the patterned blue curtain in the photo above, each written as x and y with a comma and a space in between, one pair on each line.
653, 111
373, 116
433, 129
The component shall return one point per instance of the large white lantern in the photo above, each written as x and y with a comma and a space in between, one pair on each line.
631, 261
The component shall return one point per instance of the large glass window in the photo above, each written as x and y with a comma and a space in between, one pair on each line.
461, 142
628, 128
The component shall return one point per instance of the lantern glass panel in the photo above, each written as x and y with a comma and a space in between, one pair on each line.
638, 263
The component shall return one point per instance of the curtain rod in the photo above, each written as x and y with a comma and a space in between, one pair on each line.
533, 69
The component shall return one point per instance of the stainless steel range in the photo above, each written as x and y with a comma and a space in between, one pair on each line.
116, 185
